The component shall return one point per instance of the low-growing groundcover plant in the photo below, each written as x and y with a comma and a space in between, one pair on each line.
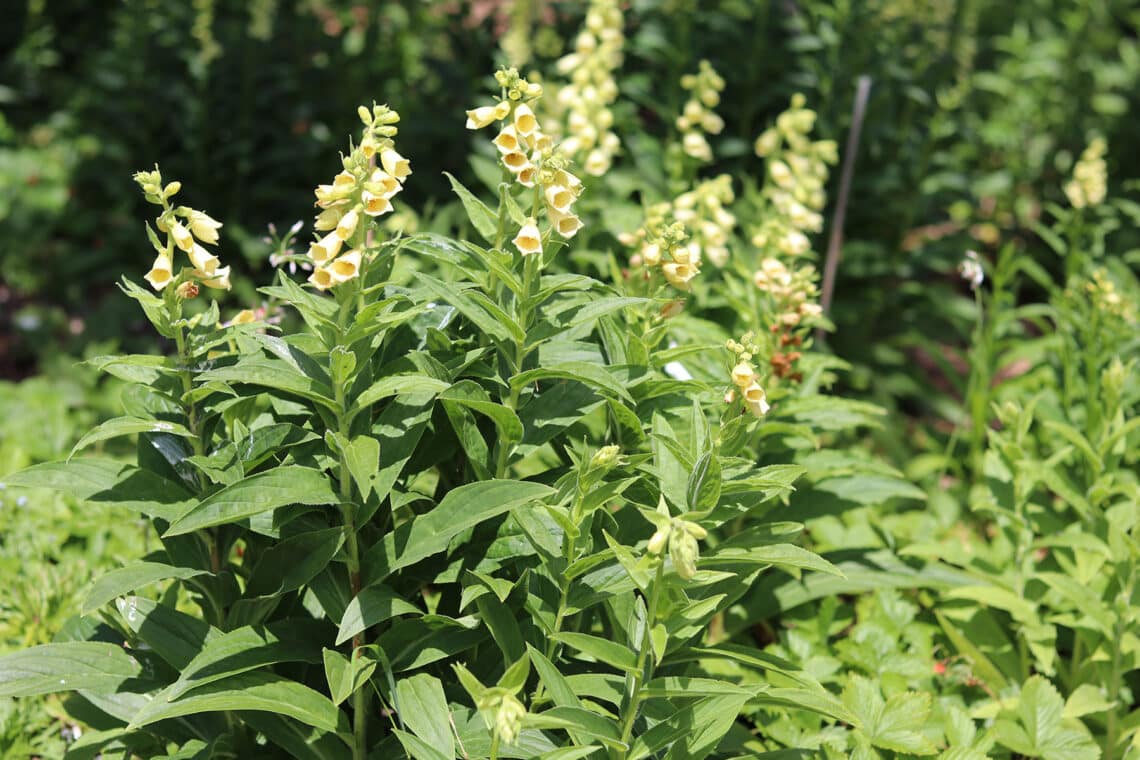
454, 500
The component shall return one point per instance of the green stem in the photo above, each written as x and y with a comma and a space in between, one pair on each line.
495, 746
532, 266
634, 696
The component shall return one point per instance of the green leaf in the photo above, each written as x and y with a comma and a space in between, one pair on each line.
248, 648
127, 579
703, 490
134, 368
374, 604
422, 706
462, 508
578, 720
90, 665
693, 731
603, 650
256, 494
176, 637
466, 304
345, 675
485, 221
397, 385
248, 691
777, 555
418, 749
1041, 730
471, 395
103, 480
120, 426
895, 724
590, 375
1086, 699
293, 562
274, 375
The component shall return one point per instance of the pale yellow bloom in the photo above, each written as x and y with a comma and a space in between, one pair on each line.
525, 121
322, 278
203, 260
182, 237
529, 240
345, 267
742, 375
516, 161
395, 164
526, 175
567, 225
507, 141
756, 400
382, 183
679, 275
694, 144
326, 248
204, 227
477, 118
375, 205
558, 198
160, 273
218, 279
244, 317
328, 219
347, 225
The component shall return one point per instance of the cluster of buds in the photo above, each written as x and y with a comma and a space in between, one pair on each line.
797, 170
677, 536
532, 157
584, 103
698, 118
793, 291
506, 713
744, 376
1104, 295
186, 229
662, 242
703, 211
361, 191
1089, 184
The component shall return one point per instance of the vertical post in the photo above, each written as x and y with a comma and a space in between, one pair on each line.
835, 242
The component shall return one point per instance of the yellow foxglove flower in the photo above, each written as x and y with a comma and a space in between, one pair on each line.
525, 121
204, 227
526, 175
558, 198
344, 180
382, 183
507, 141
182, 237
326, 248
160, 273
203, 260
219, 279
651, 254
502, 110
395, 164
375, 205
528, 240
347, 225
477, 118
244, 317
345, 267
695, 145
567, 225
679, 275
756, 400
328, 219
516, 161
742, 375
322, 278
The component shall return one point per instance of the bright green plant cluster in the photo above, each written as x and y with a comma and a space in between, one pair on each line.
455, 500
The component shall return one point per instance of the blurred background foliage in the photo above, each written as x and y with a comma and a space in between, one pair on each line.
976, 108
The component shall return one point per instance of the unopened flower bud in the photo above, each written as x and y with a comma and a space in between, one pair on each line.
657, 541
187, 290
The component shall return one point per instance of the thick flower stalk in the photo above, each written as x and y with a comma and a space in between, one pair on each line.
744, 377
187, 230
581, 108
1089, 184
703, 211
698, 117
792, 200
373, 173
532, 158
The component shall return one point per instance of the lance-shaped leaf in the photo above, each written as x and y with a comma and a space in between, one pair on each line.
93, 665
135, 576
275, 375
256, 494
120, 426
248, 691
372, 605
